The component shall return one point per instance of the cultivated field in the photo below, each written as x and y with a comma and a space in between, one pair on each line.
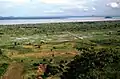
23, 47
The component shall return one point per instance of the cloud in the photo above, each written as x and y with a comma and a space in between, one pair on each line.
85, 9
93, 8
53, 11
67, 2
54, 1
48, 7
114, 5
16, 1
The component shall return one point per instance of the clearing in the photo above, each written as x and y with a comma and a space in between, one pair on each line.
14, 71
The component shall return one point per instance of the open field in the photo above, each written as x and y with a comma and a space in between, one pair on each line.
27, 45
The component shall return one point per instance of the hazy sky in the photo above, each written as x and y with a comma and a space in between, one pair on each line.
59, 7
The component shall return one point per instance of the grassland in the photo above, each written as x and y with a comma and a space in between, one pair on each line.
30, 44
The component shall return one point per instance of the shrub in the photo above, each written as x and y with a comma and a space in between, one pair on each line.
3, 68
0, 52
101, 65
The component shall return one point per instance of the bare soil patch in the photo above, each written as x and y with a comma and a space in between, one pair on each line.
14, 71
46, 54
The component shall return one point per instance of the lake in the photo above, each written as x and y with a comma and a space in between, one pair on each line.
69, 19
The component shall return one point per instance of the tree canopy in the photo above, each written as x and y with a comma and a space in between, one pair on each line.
103, 64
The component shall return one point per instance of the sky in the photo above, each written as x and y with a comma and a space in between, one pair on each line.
59, 7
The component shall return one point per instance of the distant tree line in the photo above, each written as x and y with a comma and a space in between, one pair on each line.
25, 29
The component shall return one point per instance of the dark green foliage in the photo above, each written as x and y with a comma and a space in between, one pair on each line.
54, 47
111, 41
62, 61
53, 55
0, 52
21, 60
44, 60
51, 70
51, 50
3, 68
39, 46
25, 29
104, 64
61, 66
1, 33
66, 61
35, 64
81, 46
51, 60
15, 43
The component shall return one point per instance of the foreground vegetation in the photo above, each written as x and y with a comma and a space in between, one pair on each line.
88, 50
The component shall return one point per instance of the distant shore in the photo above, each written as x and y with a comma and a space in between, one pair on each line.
14, 22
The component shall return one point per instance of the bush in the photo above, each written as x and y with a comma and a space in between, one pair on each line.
3, 68
101, 65
51, 70
35, 64
0, 52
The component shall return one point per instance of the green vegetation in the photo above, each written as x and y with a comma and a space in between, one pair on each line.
3, 68
3, 63
89, 50
102, 64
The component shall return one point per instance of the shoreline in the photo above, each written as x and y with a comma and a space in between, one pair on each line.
17, 22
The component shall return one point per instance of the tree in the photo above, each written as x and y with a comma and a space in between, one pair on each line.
54, 47
51, 70
0, 52
101, 65
15, 43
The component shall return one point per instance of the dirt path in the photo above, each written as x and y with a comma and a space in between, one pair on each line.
75, 35
14, 71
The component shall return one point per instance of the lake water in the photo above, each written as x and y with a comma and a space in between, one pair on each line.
69, 19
